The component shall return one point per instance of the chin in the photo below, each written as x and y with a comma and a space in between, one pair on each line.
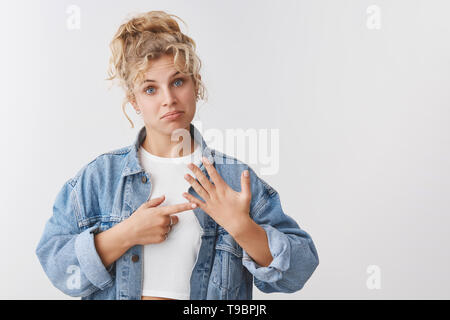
171, 126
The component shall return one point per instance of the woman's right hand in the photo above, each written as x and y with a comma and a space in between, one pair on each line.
150, 223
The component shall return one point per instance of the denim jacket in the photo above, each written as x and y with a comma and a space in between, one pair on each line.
111, 187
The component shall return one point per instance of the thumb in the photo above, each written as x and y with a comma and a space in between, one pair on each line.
245, 183
154, 202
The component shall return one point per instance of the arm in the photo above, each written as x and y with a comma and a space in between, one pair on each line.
253, 239
294, 254
112, 243
67, 253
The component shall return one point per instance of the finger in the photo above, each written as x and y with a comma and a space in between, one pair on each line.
197, 187
194, 200
245, 183
215, 176
170, 222
174, 219
154, 202
168, 210
206, 184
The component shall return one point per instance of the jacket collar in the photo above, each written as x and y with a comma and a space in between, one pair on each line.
132, 165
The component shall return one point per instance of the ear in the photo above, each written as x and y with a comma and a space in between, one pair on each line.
196, 91
134, 104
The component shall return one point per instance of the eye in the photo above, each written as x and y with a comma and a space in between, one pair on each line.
179, 80
148, 89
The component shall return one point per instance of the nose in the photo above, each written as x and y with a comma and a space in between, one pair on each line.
169, 98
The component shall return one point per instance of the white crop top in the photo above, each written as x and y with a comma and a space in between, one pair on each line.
167, 266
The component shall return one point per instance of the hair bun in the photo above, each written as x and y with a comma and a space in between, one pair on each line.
154, 22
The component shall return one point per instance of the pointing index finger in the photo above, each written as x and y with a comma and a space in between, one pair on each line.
168, 210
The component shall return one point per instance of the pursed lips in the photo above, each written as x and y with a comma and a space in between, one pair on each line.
171, 113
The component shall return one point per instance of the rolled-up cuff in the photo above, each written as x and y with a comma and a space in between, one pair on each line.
280, 248
90, 263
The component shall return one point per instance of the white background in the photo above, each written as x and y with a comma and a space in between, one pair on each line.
362, 114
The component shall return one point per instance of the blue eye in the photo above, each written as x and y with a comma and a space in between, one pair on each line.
179, 79
149, 88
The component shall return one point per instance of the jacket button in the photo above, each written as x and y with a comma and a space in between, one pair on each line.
144, 179
135, 258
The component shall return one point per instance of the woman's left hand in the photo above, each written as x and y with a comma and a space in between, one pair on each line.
228, 208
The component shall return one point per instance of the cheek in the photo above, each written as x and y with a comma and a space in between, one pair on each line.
188, 95
149, 109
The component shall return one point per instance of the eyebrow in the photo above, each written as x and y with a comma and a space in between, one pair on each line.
150, 80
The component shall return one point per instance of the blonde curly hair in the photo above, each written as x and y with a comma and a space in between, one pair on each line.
145, 37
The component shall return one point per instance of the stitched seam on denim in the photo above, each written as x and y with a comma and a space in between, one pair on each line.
260, 284
209, 232
105, 284
119, 151
225, 159
283, 282
221, 230
77, 208
226, 270
126, 195
73, 181
88, 221
229, 249
268, 188
258, 206
91, 289
259, 210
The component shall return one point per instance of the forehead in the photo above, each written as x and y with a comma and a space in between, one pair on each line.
160, 65
159, 70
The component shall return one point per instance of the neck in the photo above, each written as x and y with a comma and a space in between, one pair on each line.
161, 145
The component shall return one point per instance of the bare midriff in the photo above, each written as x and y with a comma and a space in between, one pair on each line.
155, 298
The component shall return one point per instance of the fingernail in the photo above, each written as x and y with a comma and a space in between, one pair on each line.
194, 205
246, 173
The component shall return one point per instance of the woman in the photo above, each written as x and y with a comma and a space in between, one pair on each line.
122, 229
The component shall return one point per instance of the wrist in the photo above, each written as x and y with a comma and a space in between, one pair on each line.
241, 227
126, 233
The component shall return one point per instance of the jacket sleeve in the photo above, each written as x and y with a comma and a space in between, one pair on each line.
67, 254
294, 255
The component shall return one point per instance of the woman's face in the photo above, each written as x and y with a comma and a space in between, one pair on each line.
163, 90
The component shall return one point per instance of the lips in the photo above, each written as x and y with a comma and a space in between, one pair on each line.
171, 113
